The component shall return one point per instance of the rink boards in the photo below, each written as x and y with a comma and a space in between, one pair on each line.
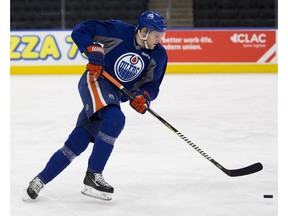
189, 51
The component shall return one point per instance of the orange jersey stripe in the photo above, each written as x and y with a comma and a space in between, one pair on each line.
98, 101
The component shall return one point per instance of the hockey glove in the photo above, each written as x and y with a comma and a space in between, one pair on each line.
141, 102
95, 54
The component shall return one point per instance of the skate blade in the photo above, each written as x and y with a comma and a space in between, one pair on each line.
91, 192
25, 196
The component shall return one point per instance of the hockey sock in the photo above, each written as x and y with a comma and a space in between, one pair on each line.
74, 146
57, 163
100, 155
113, 121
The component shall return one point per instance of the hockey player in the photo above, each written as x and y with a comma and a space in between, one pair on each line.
133, 56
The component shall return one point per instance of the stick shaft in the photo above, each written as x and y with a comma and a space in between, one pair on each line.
232, 173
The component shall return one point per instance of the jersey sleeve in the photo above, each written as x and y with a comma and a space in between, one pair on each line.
84, 33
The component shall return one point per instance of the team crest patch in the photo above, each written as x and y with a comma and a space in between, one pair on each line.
111, 96
128, 67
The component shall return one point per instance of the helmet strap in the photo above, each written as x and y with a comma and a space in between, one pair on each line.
144, 38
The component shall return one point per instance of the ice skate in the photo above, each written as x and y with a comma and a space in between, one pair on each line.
96, 186
33, 189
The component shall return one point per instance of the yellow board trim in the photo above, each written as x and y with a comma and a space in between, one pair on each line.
171, 69
221, 68
46, 70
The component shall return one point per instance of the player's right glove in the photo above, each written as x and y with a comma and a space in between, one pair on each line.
141, 101
95, 54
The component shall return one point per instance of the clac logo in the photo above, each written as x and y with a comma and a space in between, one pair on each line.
248, 38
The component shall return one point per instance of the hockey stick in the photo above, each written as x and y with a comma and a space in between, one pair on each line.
232, 173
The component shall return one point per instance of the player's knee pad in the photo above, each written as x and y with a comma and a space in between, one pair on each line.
76, 143
113, 121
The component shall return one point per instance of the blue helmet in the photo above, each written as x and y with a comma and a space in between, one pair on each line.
152, 21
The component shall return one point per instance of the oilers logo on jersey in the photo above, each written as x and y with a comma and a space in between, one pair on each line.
128, 67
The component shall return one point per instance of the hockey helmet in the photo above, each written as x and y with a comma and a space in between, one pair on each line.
152, 21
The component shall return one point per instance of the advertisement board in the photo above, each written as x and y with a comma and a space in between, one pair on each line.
221, 46
189, 51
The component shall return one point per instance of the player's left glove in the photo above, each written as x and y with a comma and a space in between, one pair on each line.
141, 101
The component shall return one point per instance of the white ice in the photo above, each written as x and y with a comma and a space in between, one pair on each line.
233, 118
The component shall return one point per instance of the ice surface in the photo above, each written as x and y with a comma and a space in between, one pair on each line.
233, 118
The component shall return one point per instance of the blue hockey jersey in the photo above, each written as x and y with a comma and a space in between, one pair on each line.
134, 67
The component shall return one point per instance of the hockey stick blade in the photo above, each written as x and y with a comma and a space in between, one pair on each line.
256, 167
232, 173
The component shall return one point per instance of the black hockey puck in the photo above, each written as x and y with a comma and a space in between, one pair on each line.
268, 196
